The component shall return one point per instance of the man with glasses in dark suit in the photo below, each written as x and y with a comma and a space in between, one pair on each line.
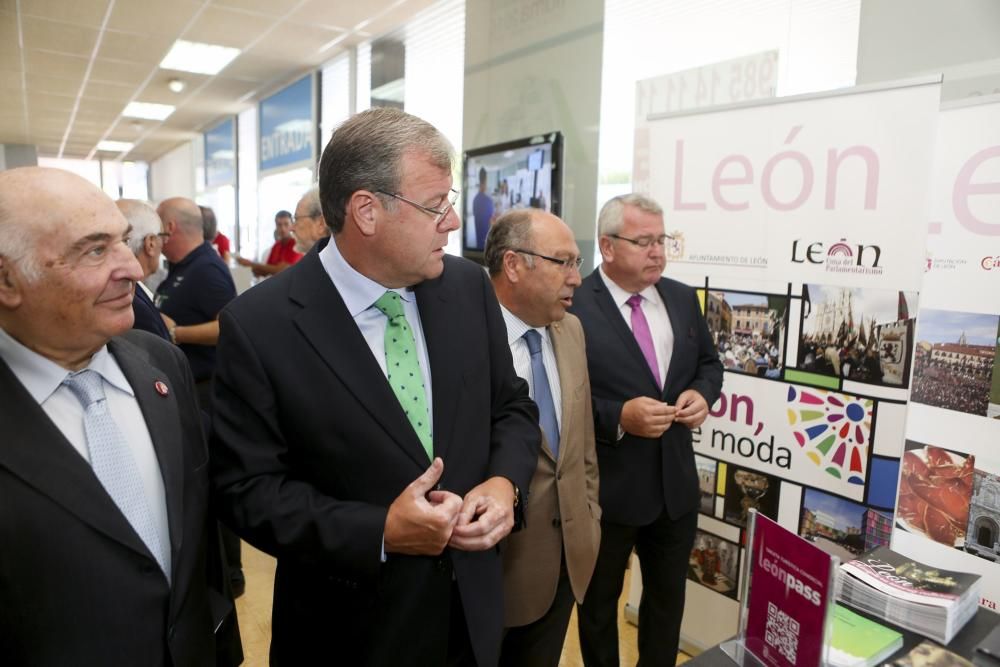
370, 431
654, 372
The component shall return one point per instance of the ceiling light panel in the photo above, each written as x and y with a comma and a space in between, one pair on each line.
199, 58
148, 110
114, 146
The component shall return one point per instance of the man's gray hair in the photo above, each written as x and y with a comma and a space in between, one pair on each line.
612, 216
311, 199
144, 220
18, 242
511, 231
365, 153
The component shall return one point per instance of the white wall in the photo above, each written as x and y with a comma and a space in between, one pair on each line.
902, 38
173, 174
533, 67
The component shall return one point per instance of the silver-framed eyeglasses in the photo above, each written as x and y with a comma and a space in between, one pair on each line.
566, 264
644, 241
438, 213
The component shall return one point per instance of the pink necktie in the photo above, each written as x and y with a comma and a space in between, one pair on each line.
640, 329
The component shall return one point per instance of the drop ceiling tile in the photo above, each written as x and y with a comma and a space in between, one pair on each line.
338, 14
226, 27
47, 63
141, 49
52, 85
260, 68
109, 91
58, 36
267, 7
297, 42
98, 105
40, 101
88, 13
119, 72
395, 18
164, 18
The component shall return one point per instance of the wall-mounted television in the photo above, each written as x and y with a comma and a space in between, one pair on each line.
515, 174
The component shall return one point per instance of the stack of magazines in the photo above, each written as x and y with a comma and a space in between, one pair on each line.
930, 601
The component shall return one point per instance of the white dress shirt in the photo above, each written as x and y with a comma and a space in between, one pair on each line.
516, 328
360, 293
43, 378
656, 316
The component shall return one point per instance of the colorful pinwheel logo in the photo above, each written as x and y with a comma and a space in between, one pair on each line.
834, 429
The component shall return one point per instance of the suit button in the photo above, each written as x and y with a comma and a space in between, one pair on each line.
440, 565
170, 632
556, 522
559, 475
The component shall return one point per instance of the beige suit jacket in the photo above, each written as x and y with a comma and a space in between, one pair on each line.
562, 510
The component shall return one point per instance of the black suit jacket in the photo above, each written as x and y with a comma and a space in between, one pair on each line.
147, 316
641, 476
310, 447
78, 585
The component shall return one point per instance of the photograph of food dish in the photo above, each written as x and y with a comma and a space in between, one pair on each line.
935, 486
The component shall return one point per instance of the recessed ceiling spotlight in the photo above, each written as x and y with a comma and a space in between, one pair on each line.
176, 85
185, 56
148, 110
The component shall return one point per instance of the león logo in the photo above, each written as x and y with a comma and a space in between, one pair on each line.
840, 257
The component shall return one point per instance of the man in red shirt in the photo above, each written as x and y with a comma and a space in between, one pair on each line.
282, 253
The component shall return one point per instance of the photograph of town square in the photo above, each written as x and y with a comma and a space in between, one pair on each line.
842, 527
706, 483
748, 331
864, 335
715, 563
954, 360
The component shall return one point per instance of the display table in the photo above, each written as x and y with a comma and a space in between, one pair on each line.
964, 643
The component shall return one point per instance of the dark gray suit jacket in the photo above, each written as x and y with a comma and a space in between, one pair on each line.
78, 585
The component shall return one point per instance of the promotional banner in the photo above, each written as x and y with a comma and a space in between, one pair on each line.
948, 511
801, 221
220, 154
288, 126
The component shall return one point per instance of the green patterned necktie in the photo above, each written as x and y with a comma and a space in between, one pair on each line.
403, 369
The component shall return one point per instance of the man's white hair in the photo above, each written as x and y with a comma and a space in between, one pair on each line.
144, 220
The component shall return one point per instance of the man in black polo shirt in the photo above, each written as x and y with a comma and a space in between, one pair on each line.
197, 287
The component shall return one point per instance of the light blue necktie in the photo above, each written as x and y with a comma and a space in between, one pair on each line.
543, 393
113, 463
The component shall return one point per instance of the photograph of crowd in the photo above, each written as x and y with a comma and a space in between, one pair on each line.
842, 527
746, 490
706, 483
863, 335
748, 331
954, 360
715, 563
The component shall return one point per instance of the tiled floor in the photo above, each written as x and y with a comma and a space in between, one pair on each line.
254, 610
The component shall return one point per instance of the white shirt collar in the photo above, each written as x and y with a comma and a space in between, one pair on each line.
620, 295
42, 376
357, 290
516, 327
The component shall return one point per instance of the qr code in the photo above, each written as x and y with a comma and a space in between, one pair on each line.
782, 632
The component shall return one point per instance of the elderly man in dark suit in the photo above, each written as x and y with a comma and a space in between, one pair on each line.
370, 431
103, 468
654, 372
146, 242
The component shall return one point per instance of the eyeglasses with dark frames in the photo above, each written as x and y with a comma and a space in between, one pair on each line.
438, 214
296, 219
644, 241
566, 264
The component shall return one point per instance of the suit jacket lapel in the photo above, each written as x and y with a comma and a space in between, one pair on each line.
164, 424
328, 326
569, 380
607, 305
443, 338
35, 450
